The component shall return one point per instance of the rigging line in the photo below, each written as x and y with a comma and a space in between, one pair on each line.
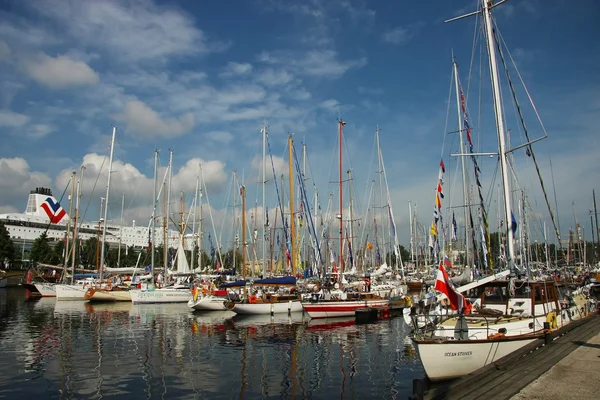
530, 147
449, 102
476, 36
82, 218
59, 201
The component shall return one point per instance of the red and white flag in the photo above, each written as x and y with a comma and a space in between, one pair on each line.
443, 284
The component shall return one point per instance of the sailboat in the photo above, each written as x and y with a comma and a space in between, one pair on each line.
341, 304
271, 303
179, 291
524, 309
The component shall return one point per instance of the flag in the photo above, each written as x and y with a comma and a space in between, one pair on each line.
513, 223
267, 216
454, 227
433, 229
528, 152
444, 285
392, 223
442, 166
438, 202
53, 210
149, 240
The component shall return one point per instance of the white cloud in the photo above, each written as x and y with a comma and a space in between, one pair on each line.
60, 72
219, 136
397, 36
131, 30
236, 69
143, 120
16, 180
12, 119
38, 131
320, 63
272, 77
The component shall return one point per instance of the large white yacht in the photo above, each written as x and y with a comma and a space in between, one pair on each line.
45, 214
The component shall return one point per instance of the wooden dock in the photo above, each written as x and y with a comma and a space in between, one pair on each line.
506, 377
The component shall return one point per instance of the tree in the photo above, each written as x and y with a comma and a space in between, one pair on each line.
41, 251
7, 248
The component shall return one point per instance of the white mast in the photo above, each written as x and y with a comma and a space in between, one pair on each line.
75, 222
462, 160
194, 224
166, 261
121, 231
487, 14
264, 181
112, 149
154, 201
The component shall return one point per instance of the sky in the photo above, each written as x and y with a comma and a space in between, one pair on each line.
201, 79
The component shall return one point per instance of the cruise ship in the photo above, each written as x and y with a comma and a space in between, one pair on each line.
45, 214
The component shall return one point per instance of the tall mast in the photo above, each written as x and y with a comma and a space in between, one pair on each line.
200, 226
341, 123
168, 214
112, 149
351, 203
243, 194
194, 225
487, 14
292, 215
412, 239
154, 201
75, 221
66, 249
235, 236
596, 218
462, 160
380, 173
121, 231
264, 182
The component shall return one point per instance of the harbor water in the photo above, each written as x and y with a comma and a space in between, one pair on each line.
72, 349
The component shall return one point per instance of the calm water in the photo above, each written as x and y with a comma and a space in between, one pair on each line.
51, 349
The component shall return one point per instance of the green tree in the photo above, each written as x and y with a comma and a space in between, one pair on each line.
41, 251
7, 247
57, 253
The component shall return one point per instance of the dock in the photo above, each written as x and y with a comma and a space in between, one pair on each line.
517, 374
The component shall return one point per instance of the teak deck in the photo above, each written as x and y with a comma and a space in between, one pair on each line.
506, 377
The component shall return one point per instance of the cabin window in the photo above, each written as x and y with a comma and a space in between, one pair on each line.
495, 295
524, 292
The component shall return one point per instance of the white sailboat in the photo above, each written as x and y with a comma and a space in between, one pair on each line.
479, 341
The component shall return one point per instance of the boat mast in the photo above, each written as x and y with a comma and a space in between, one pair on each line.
75, 221
341, 123
121, 231
462, 160
194, 225
112, 149
66, 249
243, 194
487, 14
264, 182
292, 215
154, 201
235, 236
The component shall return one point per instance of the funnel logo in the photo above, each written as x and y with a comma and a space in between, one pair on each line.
53, 210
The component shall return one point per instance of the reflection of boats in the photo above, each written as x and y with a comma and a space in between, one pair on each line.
213, 316
69, 307
266, 319
327, 324
159, 309
44, 303
121, 306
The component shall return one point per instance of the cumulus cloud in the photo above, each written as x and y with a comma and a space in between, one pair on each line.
16, 180
60, 72
131, 30
143, 120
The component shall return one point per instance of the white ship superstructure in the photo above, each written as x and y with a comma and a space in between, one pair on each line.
45, 214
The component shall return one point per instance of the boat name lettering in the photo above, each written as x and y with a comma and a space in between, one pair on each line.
458, 353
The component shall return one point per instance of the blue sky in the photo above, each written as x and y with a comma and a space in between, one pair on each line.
201, 77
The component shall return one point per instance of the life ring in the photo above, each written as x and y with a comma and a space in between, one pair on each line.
551, 319
252, 299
